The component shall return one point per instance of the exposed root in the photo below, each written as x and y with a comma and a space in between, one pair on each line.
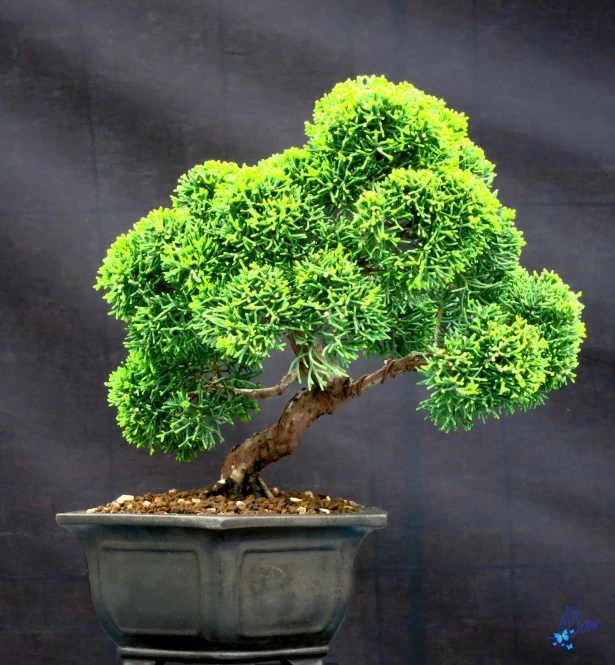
218, 488
266, 491
253, 484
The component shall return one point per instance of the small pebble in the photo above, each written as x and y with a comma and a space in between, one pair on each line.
324, 510
196, 500
147, 503
302, 510
172, 492
91, 510
181, 500
125, 497
294, 499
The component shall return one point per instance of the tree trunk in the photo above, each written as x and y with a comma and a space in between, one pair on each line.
244, 462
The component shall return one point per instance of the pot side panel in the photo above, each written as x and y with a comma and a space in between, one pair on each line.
148, 592
288, 591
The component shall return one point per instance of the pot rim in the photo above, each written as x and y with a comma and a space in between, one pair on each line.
367, 516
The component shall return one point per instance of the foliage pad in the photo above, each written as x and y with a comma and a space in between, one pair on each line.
381, 235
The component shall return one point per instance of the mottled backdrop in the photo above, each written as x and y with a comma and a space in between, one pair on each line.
104, 103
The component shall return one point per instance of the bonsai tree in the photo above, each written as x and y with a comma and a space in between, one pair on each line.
381, 236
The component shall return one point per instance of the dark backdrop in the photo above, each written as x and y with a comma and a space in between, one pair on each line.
105, 103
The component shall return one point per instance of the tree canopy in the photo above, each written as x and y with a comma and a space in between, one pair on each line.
381, 236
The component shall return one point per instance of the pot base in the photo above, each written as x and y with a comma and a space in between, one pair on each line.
303, 661
135, 656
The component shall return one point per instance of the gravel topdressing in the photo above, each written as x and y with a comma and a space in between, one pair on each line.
195, 502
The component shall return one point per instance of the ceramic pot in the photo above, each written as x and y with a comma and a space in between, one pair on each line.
221, 589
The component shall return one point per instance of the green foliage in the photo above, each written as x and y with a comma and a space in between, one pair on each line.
499, 363
508, 356
545, 302
171, 405
367, 127
381, 235
420, 228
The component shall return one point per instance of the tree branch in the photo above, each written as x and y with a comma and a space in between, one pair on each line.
297, 350
252, 393
391, 369
437, 330
272, 391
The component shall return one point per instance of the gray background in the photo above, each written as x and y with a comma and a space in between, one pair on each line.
104, 103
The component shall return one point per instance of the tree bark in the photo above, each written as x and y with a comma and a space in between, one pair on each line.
244, 462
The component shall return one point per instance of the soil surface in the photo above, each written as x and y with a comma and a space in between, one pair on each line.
196, 502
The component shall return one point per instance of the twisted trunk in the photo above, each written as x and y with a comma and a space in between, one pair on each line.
279, 440
244, 462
